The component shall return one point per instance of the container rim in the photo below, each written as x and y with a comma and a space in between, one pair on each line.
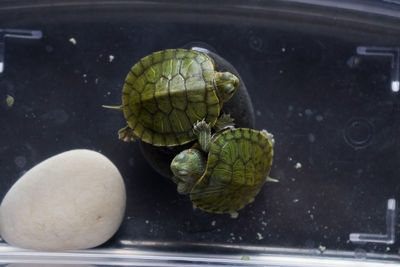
388, 8
147, 254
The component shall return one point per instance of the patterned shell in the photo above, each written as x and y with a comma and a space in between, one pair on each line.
238, 164
166, 92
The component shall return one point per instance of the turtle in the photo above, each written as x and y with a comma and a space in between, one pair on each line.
227, 172
166, 92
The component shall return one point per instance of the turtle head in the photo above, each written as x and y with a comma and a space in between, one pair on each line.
227, 84
188, 166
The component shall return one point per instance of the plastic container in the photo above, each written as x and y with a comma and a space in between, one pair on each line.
323, 77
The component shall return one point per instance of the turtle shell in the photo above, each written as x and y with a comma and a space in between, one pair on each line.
238, 164
166, 92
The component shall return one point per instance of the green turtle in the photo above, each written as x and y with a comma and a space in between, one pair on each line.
229, 170
166, 92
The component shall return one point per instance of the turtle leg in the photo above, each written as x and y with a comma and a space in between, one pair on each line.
269, 135
225, 120
202, 130
126, 134
182, 187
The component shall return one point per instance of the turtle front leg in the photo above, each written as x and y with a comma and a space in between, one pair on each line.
202, 130
182, 187
126, 134
224, 121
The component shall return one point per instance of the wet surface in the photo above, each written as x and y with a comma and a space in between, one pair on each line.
333, 115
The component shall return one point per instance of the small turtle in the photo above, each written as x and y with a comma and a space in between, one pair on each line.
232, 173
166, 92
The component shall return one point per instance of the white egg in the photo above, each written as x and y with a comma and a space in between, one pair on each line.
74, 200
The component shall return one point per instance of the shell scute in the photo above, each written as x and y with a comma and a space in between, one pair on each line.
145, 118
181, 53
161, 123
179, 121
195, 89
153, 73
149, 103
158, 138
139, 84
158, 57
169, 53
146, 62
189, 67
147, 134
245, 149
129, 80
137, 69
176, 84
196, 112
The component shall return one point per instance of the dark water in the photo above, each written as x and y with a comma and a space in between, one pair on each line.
333, 114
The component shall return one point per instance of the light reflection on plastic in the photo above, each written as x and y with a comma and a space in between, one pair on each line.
393, 53
15, 33
389, 237
395, 86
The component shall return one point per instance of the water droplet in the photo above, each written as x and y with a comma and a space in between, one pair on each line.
311, 138
256, 43
20, 161
353, 61
49, 48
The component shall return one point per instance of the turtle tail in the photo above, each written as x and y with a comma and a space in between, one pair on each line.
113, 107
269, 179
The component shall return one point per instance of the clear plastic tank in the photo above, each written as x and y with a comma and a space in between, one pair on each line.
323, 77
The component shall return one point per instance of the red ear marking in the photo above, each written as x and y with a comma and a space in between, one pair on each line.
195, 175
189, 153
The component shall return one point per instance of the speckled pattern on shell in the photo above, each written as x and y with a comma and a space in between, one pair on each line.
238, 164
166, 92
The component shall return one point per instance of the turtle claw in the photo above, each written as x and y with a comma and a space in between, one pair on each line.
201, 126
126, 134
224, 121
